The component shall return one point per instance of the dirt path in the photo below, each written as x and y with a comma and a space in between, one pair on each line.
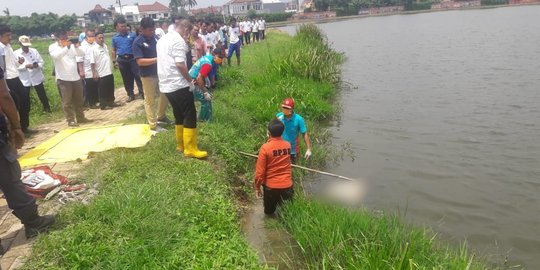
11, 230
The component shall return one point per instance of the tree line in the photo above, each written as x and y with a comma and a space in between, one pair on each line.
38, 24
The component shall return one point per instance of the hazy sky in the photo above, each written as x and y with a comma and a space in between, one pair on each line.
79, 7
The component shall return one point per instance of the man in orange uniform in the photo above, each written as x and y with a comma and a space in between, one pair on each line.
273, 171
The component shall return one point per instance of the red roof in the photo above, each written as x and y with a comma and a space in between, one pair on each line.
99, 9
157, 6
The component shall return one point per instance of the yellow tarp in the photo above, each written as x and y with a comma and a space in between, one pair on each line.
74, 144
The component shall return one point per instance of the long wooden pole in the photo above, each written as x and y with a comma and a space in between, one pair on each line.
307, 169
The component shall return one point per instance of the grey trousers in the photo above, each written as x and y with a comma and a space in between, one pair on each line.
72, 99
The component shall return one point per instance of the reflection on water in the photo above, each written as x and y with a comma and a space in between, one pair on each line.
445, 123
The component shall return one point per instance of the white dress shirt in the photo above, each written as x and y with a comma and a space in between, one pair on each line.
234, 32
87, 49
171, 49
30, 76
12, 62
100, 56
65, 61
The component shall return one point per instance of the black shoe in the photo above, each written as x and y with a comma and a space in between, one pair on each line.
140, 95
83, 120
114, 105
94, 107
131, 98
105, 108
34, 224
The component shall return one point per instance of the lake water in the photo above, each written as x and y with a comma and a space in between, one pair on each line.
445, 123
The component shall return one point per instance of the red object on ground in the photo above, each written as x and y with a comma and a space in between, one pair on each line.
41, 193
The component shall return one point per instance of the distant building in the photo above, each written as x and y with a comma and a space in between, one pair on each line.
207, 10
130, 12
273, 6
98, 15
156, 11
242, 7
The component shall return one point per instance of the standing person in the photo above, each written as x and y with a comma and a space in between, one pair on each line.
31, 71
122, 56
235, 42
273, 169
144, 51
91, 95
255, 31
294, 125
68, 67
247, 31
174, 81
101, 65
20, 94
82, 35
208, 36
11, 137
262, 28
223, 30
199, 45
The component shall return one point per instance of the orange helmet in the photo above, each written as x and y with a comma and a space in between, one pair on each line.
287, 103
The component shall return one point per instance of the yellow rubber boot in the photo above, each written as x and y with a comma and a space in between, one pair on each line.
190, 144
179, 138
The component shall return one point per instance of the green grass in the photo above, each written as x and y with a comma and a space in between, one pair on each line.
359, 239
157, 210
37, 115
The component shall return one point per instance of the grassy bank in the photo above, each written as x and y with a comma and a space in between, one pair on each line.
157, 210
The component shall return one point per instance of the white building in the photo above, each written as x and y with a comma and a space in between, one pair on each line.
242, 7
156, 11
130, 12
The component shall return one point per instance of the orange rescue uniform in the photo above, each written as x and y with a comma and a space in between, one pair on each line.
274, 165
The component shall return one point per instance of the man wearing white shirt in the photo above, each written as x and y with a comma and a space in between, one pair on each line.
68, 67
31, 71
101, 65
175, 83
91, 95
262, 28
208, 36
235, 42
19, 93
247, 31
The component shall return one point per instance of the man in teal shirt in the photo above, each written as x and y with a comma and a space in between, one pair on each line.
294, 124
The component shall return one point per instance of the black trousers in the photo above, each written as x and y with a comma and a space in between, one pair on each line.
183, 104
21, 96
10, 179
130, 71
255, 36
42, 95
106, 90
272, 197
247, 36
261, 33
91, 91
